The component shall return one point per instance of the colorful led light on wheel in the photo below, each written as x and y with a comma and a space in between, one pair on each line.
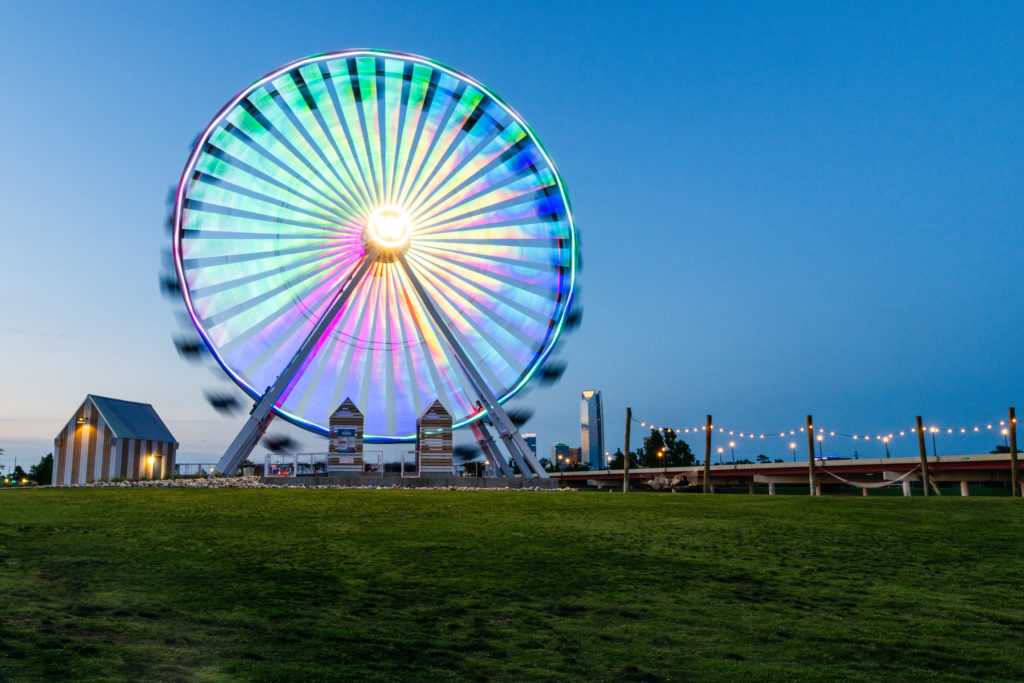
326, 157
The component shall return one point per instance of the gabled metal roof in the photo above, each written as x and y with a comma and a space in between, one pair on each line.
132, 420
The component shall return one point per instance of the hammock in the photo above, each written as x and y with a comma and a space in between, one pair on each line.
872, 484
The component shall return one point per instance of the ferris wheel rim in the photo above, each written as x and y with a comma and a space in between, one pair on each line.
558, 321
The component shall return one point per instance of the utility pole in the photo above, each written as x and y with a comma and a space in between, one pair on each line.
625, 453
707, 454
812, 480
922, 449
1014, 467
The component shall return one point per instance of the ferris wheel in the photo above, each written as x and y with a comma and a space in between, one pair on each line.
374, 225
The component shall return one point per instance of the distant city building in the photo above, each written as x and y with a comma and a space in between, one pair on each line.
531, 441
576, 456
592, 429
560, 455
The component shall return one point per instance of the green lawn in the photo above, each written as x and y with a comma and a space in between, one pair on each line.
295, 585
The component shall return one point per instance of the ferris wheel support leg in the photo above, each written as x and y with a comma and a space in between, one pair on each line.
517, 456
263, 412
491, 452
508, 432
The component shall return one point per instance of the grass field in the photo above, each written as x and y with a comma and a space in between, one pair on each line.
433, 585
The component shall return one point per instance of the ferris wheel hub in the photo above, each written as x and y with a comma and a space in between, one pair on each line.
388, 229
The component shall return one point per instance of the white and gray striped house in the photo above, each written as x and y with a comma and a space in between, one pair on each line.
108, 438
434, 440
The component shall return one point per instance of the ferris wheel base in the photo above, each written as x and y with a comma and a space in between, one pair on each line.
521, 456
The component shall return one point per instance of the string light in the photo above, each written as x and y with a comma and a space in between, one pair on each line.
887, 437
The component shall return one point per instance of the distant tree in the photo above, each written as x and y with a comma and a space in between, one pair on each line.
547, 464
652, 447
618, 462
1000, 449
18, 474
763, 458
42, 472
676, 452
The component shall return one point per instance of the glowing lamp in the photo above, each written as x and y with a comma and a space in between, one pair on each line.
389, 228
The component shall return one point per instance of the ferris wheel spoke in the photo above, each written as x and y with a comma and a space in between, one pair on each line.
286, 322
517, 242
466, 123
353, 319
397, 323
495, 279
470, 294
469, 276
445, 372
312, 109
398, 133
341, 189
275, 160
231, 188
331, 78
304, 391
220, 317
487, 274
387, 358
496, 223
487, 138
438, 133
446, 190
290, 276
382, 127
252, 278
274, 128
486, 195
312, 84
422, 115
480, 375
473, 257
317, 83
355, 83
527, 201
262, 218
369, 367
220, 260
456, 308
217, 232
211, 151
459, 174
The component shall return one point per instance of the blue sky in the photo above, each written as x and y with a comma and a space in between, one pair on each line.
785, 208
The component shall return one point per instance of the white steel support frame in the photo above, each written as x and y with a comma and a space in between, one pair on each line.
263, 412
513, 440
490, 449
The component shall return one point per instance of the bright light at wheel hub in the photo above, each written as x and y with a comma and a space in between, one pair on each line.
389, 229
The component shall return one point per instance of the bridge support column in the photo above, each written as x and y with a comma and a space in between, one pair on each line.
817, 489
750, 487
965, 488
906, 487
771, 488
864, 492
